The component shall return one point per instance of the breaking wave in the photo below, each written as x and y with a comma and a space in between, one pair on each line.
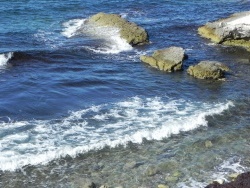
40, 141
108, 38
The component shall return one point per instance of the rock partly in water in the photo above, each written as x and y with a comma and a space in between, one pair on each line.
132, 33
168, 59
233, 31
208, 70
242, 181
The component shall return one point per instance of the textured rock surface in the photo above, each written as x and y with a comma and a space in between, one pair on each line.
129, 31
168, 59
234, 30
242, 181
208, 70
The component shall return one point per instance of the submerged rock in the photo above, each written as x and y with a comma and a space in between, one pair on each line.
85, 183
168, 59
151, 171
234, 30
242, 181
208, 70
129, 31
208, 144
162, 186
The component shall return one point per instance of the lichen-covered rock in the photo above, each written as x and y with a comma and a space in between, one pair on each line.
168, 59
129, 31
208, 70
234, 30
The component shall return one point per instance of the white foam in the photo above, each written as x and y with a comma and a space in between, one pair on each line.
222, 172
98, 126
109, 38
73, 27
4, 58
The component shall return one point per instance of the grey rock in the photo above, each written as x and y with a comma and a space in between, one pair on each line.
229, 31
168, 59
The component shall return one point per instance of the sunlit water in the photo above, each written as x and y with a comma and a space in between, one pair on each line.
76, 102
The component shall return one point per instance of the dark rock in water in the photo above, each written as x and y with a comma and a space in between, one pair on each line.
233, 31
168, 59
129, 31
242, 181
208, 70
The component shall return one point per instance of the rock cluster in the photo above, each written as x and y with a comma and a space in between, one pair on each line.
132, 33
234, 30
171, 59
168, 59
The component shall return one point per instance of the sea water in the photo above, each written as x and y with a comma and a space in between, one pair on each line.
77, 103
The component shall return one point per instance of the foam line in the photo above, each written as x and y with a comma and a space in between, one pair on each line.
95, 127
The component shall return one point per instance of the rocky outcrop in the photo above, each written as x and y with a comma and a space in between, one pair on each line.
208, 70
132, 33
168, 59
234, 30
242, 181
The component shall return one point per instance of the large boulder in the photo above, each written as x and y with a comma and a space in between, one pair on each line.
234, 30
208, 70
132, 33
168, 59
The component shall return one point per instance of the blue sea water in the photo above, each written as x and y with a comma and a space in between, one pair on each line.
70, 95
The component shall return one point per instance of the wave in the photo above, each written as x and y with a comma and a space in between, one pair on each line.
4, 58
40, 141
109, 40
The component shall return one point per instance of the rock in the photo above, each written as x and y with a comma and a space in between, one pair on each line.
86, 183
162, 186
171, 179
104, 186
208, 70
208, 144
234, 30
168, 59
129, 31
219, 181
242, 181
233, 176
151, 171
168, 166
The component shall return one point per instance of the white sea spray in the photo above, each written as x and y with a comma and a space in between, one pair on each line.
5, 57
95, 127
109, 38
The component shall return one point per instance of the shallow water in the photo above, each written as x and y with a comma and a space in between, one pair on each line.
78, 104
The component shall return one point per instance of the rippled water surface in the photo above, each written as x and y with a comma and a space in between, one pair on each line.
76, 102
